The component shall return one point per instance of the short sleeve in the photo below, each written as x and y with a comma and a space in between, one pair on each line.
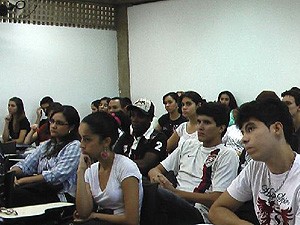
225, 172
127, 168
162, 120
171, 163
24, 124
180, 129
240, 188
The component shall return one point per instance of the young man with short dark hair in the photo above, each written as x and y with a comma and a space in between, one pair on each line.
292, 99
114, 105
44, 105
272, 177
204, 168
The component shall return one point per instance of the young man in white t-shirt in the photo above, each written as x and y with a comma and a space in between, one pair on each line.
203, 168
272, 177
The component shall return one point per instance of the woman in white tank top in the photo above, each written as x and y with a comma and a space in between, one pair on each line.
190, 101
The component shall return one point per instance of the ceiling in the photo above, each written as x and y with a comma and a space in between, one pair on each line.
122, 2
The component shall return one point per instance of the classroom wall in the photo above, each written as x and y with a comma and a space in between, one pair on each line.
73, 65
209, 46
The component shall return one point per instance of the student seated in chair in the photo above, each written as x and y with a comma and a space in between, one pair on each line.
271, 179
44, 105
16, 123
113, 182
292, 99
49, 173
39, 134
146, 146
204, 168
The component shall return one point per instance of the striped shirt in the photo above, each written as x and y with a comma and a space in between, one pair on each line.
57, 169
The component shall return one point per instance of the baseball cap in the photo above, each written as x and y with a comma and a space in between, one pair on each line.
143, 105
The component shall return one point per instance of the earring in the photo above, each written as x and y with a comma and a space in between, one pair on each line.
69, 131
105, 153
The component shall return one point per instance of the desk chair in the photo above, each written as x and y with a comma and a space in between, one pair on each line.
6, 188
8, 148
151, 213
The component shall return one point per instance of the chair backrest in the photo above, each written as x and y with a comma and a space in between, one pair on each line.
2, 191
8, 148
151, 213
149, 205
6, 188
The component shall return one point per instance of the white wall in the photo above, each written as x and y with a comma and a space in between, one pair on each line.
73, 65
209, 46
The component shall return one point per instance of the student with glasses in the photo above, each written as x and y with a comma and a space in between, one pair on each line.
49, 173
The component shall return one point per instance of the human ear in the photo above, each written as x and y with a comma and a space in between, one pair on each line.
106, 141
277, 127
222, 128
71, 128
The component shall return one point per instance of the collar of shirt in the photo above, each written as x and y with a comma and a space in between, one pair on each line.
147, 135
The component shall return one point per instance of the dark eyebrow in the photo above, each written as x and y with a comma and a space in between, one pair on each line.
247, 124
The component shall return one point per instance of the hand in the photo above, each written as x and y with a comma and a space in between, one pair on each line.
39, 111
84, 162
8, 118
77, 218
152, 174
165, 183
34, 127
17, 182
92, 216
154, 177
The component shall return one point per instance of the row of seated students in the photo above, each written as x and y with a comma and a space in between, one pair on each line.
148, 148
17, 126
48, 174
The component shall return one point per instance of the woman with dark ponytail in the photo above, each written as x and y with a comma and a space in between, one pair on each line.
113, 183
168, 122
49, 173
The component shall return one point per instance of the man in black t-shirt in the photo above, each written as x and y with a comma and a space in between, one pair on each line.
145, 146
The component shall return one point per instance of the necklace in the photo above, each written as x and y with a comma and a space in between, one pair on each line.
285, 178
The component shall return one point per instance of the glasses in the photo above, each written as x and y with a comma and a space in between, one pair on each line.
8, 211
58, 122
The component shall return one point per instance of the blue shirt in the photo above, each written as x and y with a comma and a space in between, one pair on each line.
57, 169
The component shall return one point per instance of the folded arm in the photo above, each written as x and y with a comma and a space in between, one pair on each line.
222, 211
